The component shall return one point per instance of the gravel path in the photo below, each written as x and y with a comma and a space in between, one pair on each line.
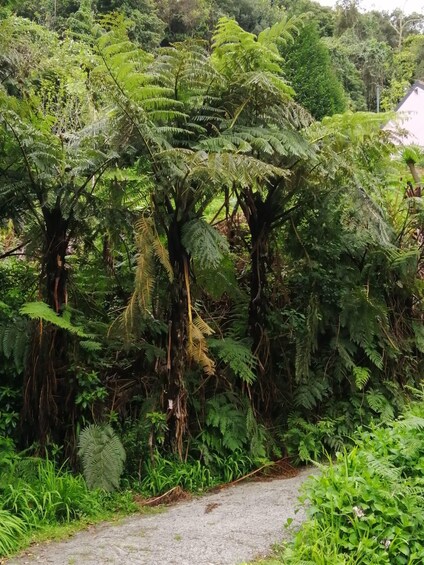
234, 525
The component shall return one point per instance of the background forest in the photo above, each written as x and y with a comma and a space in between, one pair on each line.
206, 252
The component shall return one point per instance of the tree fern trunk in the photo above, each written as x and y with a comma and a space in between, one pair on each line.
176, 394
47, 390
258, 306
54, 276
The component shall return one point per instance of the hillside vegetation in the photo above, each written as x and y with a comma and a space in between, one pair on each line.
210, 257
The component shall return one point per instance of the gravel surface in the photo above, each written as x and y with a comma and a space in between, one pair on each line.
234, 525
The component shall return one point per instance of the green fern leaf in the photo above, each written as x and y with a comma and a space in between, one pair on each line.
102, 456
206, 245
42, 311
237, 355
362, 376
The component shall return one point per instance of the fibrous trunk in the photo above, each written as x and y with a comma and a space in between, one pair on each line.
46, 388
176, 394
259, 227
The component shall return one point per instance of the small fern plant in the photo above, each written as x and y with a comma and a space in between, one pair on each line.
102, 455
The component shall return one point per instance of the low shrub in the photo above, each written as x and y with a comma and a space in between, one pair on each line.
368, 505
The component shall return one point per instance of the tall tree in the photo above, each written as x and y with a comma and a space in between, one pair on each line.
309, 69
52, 158
168, 110
265, 123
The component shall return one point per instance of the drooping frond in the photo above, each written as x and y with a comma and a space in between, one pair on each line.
14, 342
307, 339
197, 347
102, 456
237, 355
150, 248
205, 244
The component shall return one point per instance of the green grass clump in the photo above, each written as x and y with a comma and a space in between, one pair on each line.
11, 528
162, 474
37, 497
367, 507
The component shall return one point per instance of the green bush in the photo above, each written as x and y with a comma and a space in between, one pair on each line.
37, 492
368, 506
162, 474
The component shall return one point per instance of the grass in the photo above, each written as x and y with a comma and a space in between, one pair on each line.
59, 531
40, 501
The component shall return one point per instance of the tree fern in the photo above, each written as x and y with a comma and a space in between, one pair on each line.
102, 456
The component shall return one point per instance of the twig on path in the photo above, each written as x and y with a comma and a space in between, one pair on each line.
270, 464
155, 500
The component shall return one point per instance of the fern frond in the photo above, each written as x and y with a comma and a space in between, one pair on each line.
224, 414
383, 468
379, 403
361, 376
309, 394
205, 244
237, 356
411, 422
102, 456
197, 346
149, 247
42, 311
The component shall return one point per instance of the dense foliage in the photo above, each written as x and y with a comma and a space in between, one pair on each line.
197, 275
367, 506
